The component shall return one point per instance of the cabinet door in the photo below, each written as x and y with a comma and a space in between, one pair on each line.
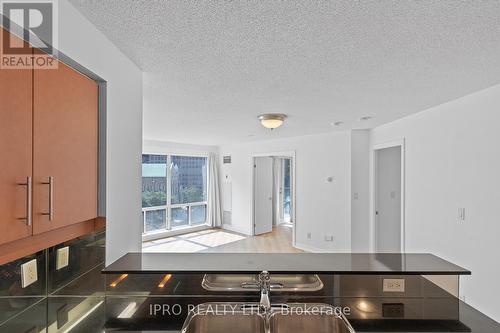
65, 134
15, 152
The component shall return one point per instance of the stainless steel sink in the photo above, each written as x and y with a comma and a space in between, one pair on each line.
245, 282
223, 318
286, 318
309, 318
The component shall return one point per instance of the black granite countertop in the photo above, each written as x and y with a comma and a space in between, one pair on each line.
328, 263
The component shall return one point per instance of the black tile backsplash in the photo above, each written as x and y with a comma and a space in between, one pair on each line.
10, 277
32, 319
86, 257
59, 297
64, 312
15, 299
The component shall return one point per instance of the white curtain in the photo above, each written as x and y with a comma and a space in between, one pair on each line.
214, 196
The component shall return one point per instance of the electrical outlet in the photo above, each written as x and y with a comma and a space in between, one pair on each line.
28, 273
394, 285
62, 257
328, 238
393, 310
308, 235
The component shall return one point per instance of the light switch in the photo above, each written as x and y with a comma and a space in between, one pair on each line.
29, 273
62, 257
461, 214
328, 238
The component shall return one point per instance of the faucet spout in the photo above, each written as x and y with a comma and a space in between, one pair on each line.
265, 303
265, 287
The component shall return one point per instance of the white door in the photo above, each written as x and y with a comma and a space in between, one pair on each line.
263, 195
388, 200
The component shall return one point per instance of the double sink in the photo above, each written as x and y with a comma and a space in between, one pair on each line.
248, 282
246, 318
264, 317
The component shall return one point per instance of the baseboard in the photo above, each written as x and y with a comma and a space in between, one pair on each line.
233, 229
312, 249
172, 233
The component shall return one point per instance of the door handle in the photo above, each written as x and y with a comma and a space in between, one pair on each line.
29, 187
50, 214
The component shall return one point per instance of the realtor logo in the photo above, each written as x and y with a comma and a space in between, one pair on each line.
29, 39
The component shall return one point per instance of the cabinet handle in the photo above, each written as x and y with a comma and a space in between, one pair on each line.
51, 198
28, 217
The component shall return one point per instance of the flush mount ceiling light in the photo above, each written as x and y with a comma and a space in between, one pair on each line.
272, 120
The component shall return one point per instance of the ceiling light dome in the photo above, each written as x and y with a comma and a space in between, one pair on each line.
272, 120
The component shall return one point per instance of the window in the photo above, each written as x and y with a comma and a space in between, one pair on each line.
154, 192
174, 192
287, 191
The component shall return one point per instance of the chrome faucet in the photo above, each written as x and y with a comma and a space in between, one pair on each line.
265, 287
264, 284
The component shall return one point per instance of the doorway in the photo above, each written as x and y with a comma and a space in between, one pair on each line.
273, 193
282, 191
388, 226
286, 189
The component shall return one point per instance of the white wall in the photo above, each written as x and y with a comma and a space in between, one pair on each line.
81, 41
452, 161
322, 207
164, 147
360, 200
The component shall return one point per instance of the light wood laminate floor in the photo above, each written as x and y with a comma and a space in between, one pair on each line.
223, 241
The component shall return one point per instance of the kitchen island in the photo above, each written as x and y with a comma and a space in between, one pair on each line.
380, 292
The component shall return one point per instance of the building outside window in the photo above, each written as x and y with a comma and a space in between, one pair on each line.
174, 192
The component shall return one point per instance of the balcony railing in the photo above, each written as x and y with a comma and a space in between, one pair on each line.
175, 216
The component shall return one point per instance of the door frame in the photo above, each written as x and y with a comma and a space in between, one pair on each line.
288, 154
373, 191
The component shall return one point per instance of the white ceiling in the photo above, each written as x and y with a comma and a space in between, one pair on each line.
212, 67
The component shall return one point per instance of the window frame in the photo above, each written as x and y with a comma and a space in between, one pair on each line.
169, 206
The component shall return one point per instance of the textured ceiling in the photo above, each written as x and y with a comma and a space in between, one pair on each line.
212, 66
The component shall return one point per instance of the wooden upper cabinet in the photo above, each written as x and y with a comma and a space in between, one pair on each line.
65, 111
15, 152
